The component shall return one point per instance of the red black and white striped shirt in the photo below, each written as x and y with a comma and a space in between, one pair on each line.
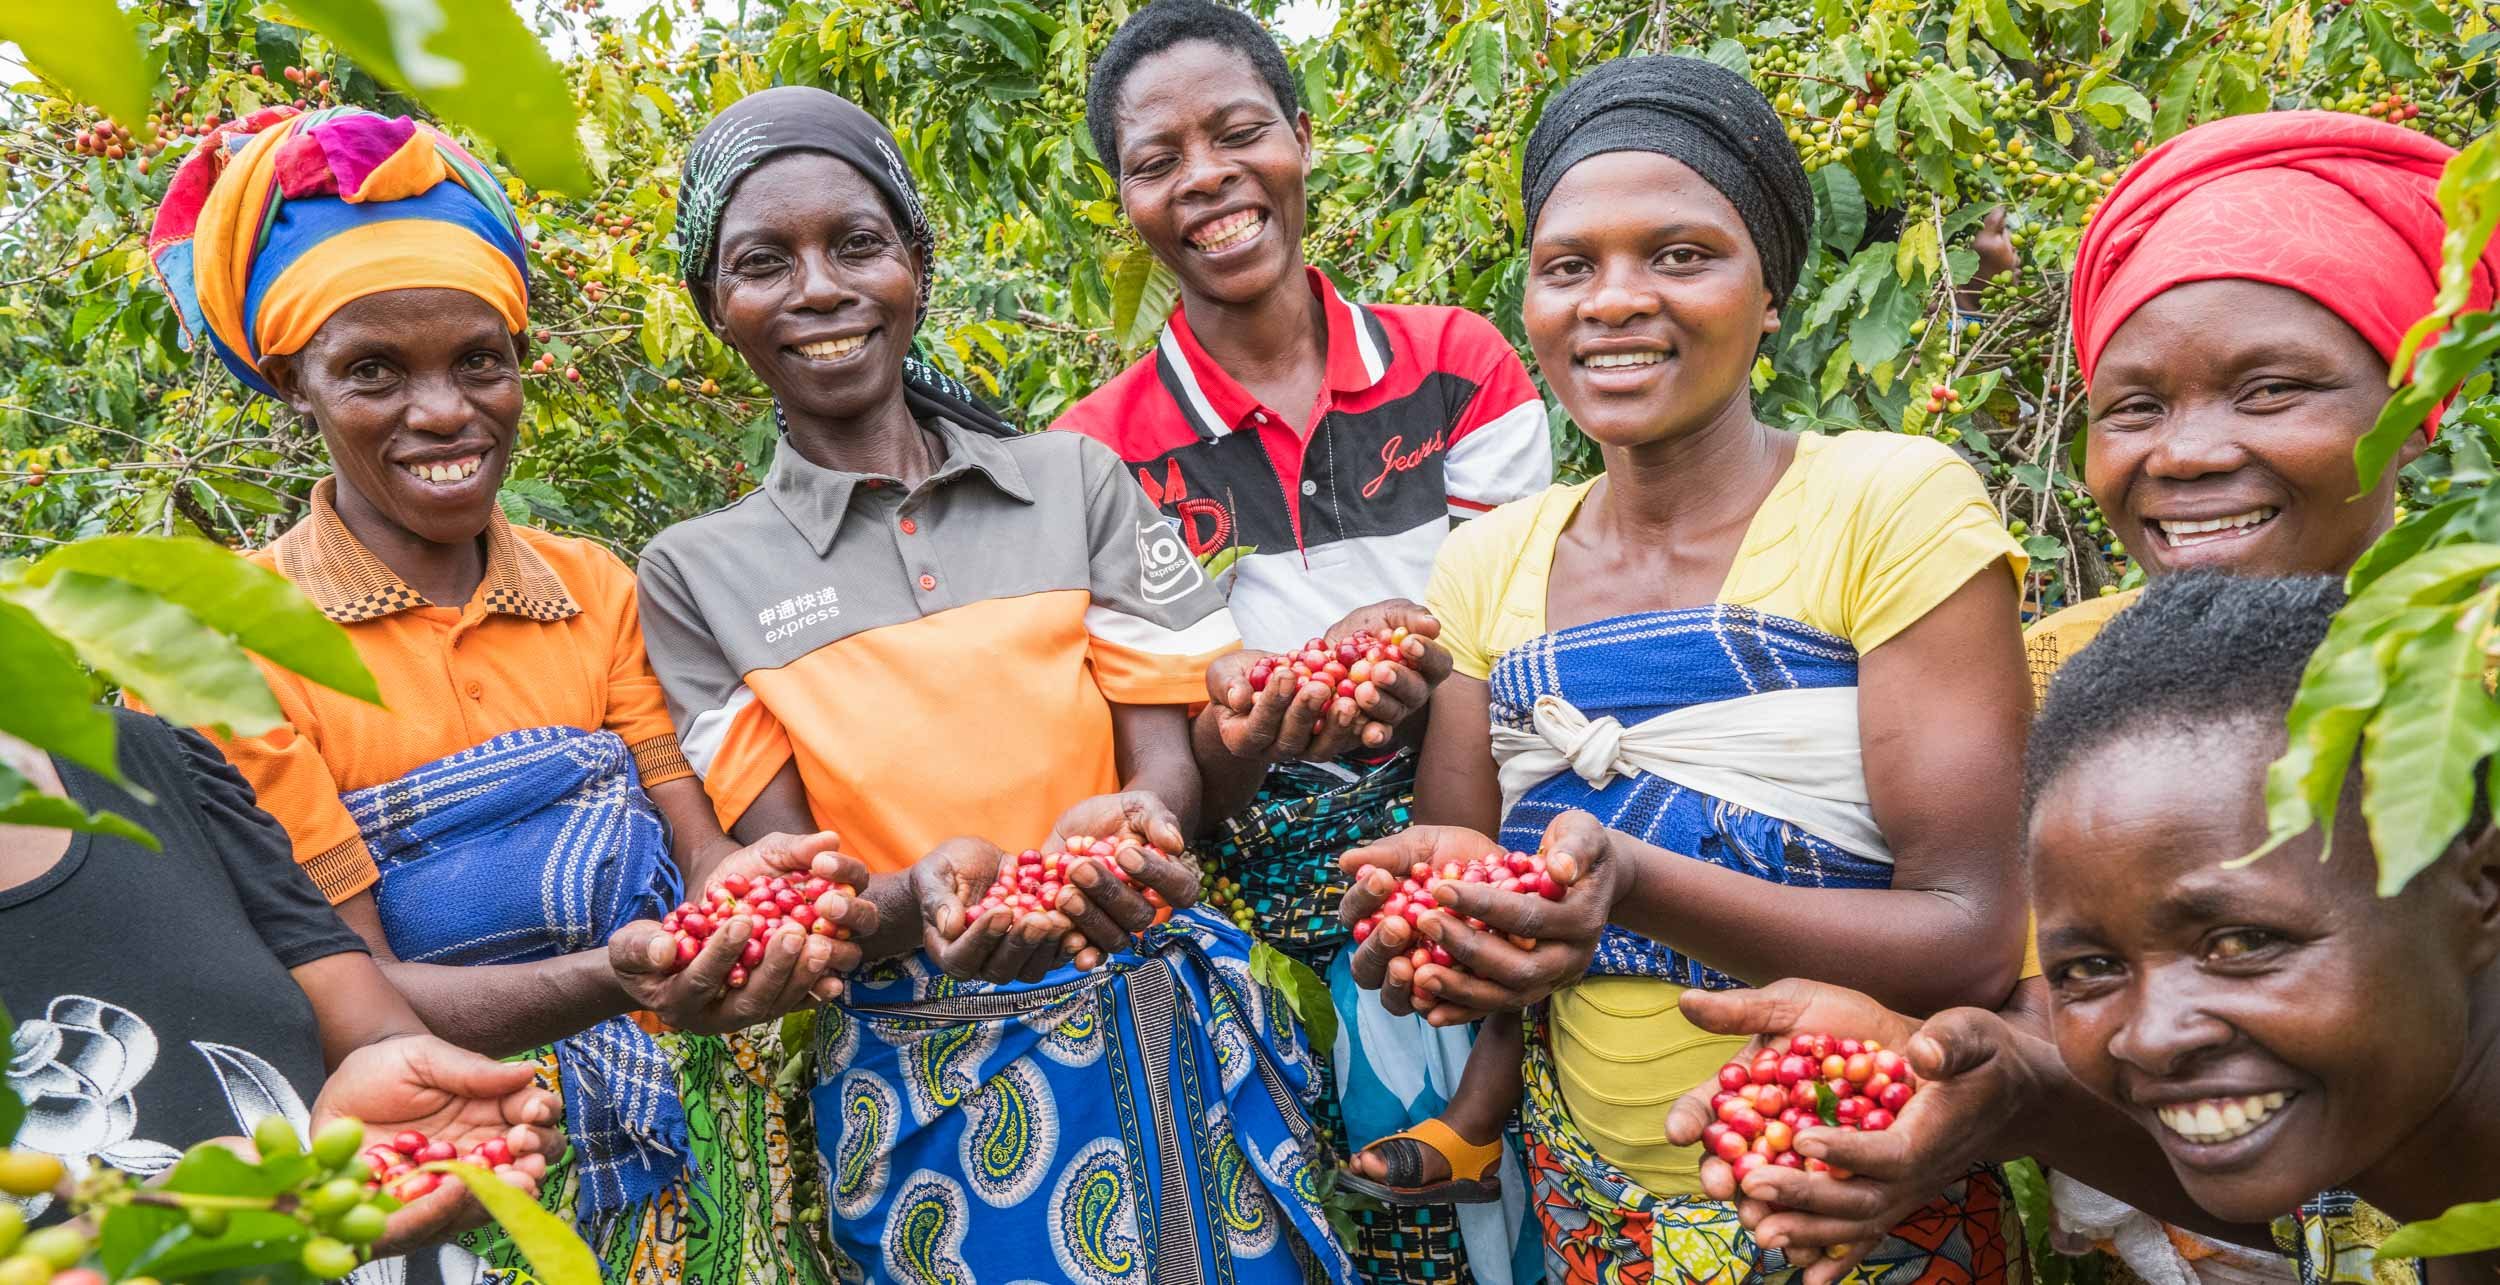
1426, 417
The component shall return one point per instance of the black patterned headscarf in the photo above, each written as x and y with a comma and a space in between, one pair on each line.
1696, 112
770, 123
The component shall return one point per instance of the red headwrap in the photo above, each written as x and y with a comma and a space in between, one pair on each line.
2341, 208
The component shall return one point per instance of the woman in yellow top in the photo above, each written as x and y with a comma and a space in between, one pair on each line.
1782, 669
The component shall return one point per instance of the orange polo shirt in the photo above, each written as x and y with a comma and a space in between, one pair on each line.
551, 638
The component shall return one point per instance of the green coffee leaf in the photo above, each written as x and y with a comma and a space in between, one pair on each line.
52, 702
1302, 990
1996, 22
2461, 349
2464, 1229
233, 595
91, 48
2433, 526
22, 804
556, 1255
1142, 293
1826, 1105
476, 64
188, 673
2436, 727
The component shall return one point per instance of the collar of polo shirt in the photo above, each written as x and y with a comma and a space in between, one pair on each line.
814, 497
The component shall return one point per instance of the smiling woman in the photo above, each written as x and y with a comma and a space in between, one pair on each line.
945, 639
370, 274
2235, 308
2275, 1025
1728, 592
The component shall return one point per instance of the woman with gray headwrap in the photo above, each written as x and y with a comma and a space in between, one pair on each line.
951, 642
1684, 670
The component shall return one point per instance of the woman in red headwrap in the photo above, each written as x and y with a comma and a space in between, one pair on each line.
2237, 302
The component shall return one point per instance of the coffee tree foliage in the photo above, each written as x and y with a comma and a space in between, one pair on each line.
1914, 118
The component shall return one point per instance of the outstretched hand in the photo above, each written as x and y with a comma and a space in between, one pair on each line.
1106, 911
1970, 1080
1529, 946
1313, 721
418, 1082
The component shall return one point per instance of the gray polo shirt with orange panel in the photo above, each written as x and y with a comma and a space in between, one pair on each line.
941, 659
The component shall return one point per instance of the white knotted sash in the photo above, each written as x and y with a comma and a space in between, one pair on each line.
1786, 754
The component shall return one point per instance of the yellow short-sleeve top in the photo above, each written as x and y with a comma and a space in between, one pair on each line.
1862, 535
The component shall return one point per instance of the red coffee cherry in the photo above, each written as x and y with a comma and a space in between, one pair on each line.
1030, 881
1343, 666
1804, 1081
1518, 872
766, 903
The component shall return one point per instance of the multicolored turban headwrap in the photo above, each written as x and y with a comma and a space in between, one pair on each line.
282, 218
2341, 208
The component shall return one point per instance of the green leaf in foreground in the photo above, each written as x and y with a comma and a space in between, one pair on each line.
1303, 990
2465, 1229
476, 64
230, 594
52, 702
91, 48
556, 1255
187, 672
22, 804
2436, 728
1826, 1105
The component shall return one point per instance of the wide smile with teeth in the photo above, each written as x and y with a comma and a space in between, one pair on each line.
441, 471
2214, 1120
1229, 231
832, 349
1619, 360
2182, 534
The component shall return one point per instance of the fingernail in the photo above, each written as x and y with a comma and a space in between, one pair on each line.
1132, 860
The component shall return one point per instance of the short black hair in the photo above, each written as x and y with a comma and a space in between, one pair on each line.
2197, 650
1158, 27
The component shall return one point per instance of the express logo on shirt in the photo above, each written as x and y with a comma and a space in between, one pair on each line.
1166, 571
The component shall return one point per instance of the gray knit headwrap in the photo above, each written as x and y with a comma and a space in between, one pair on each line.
1696, 112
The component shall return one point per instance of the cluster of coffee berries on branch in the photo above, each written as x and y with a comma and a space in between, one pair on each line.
393, 1164
769, 903
1942, 398
1029, 883
1520, 872
1343, 666
1797, 1083
339, 1194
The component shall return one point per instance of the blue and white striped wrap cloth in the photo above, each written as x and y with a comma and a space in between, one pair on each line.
535, 844
1721, 674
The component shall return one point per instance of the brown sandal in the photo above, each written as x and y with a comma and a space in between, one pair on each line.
1404, 1154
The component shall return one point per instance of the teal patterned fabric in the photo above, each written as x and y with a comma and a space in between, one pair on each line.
1090, 1126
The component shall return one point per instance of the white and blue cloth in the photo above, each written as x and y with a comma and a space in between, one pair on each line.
536, 844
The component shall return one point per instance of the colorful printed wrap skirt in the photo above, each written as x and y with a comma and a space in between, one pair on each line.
753, 1213
1282, 848
1147, 1121
1601, 1227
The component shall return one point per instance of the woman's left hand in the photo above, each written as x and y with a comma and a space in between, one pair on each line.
803, 855
1106, 912
1491, 971
453, 1096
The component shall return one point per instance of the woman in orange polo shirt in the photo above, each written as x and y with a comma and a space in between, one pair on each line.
925, 625
503, 832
